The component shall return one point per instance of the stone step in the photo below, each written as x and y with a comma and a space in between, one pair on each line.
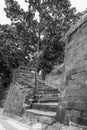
46, 106
48, 89
47, 98
39, 112
41, 116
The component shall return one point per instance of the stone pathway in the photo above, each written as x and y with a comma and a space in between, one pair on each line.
7, 123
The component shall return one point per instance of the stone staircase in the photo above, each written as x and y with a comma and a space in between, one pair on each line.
47, 95
44, 107
44, 110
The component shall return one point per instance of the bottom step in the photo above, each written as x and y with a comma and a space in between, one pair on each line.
43, 113
41, 116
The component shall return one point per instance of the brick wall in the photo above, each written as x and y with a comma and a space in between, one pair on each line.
76, 73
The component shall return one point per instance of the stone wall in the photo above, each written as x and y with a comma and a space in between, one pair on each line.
16, 98
75, 99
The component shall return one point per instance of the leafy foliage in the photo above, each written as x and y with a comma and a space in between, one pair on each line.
41, 29
55, 19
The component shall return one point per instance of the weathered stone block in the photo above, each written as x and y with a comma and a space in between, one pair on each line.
83, 90
73, 82
85, 56
57, 125
73, 98
73, 92
80, 69
68, 76
86, 81
77, 106
72, 71
73, 87
46, 120
74, 76
72, 105
61, 114
84, 114
76, 92
85, 66
82, 121
77, 126
84, 98
74, 113
65, 104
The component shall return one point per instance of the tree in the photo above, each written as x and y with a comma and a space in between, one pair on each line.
25, 27
8, 46
55, 19
44, 33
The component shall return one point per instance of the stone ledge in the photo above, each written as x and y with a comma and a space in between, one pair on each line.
75, 105
44, 113
45, 117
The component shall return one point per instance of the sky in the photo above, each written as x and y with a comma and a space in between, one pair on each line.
80, 5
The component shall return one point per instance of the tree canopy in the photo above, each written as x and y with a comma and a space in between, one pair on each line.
40, 28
